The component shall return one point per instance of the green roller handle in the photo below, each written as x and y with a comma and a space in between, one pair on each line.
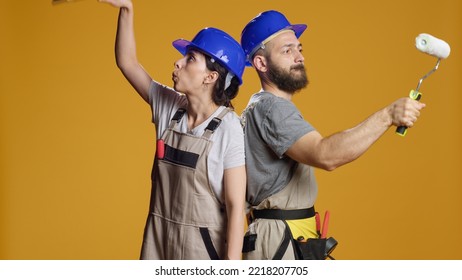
401, 130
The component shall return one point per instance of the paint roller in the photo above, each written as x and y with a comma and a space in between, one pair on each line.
433, 46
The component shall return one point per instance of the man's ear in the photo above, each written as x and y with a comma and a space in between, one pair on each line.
260, 63
211, 77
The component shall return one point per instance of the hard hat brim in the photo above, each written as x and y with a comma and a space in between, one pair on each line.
183, 47
298, 30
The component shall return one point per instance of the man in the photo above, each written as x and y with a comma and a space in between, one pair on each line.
281, 147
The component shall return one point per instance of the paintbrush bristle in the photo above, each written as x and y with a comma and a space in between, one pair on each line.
54, 2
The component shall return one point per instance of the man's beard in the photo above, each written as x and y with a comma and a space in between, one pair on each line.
284, 80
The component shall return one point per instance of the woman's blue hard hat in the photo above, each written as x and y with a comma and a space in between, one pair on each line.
263, 26
220, 46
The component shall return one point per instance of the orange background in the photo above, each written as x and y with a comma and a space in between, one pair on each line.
77, 144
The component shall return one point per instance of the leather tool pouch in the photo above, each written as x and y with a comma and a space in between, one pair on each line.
312, 249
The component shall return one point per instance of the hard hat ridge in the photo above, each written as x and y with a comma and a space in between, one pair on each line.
263, 26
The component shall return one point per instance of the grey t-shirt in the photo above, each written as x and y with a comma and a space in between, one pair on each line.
271, 126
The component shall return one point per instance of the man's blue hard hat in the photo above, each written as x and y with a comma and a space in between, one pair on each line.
263, 26
220, 46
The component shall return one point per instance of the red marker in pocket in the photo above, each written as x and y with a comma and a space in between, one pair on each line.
160, 149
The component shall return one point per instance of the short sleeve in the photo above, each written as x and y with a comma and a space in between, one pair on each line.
164, 102
235, 151
282, 125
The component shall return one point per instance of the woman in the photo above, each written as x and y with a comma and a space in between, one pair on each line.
198, 178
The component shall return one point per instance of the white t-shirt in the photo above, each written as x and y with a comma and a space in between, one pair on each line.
228, 139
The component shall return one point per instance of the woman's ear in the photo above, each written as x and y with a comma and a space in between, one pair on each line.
211, 77
260, 63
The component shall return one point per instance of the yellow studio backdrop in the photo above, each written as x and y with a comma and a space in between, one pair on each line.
77, 142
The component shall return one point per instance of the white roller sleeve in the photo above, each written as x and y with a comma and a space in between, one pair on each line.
433, 46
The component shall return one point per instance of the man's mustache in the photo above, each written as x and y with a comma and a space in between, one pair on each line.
298, 67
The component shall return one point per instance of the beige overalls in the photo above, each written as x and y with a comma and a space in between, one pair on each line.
186, 220
267, 235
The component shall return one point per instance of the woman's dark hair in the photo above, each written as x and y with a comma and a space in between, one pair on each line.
220, 96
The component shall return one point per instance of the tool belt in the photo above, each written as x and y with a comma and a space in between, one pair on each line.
279, 214
311, 249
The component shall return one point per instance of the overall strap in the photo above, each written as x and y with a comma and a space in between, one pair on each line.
215, 123
208, 243
284, 244
177, 117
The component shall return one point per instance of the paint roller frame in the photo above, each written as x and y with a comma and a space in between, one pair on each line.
415, 94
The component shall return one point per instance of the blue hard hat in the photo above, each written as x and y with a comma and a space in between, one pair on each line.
263, 26
220, 46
